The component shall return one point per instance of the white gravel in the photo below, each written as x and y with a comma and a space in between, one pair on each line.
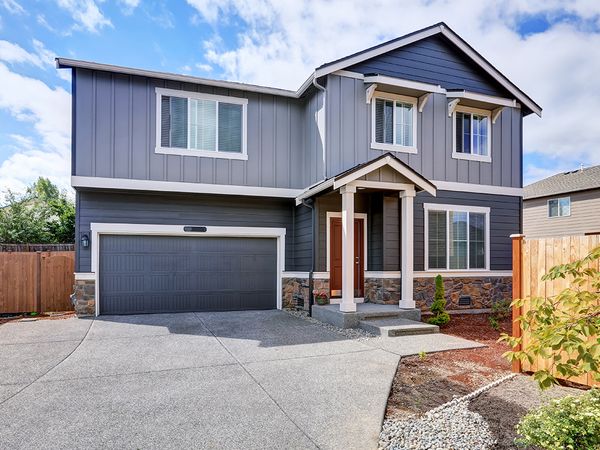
352, 333
452, 428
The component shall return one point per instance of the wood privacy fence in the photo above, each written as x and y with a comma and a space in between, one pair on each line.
40, 281
532, 259
37, 247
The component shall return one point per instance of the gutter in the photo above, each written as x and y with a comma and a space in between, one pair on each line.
311, 298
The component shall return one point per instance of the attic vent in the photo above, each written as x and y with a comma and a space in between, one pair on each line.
464, 300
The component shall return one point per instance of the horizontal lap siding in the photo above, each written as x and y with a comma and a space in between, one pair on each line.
432, 60
170, 209
115, 135
303, 238
505, 219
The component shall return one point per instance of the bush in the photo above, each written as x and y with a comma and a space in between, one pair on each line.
438, 307
568, 423
500, 310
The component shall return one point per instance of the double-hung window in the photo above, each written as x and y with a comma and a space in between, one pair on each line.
394, 119
472, 134
195, 124
457, 237
559, 207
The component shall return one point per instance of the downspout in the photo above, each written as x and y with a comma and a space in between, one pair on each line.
321, 126
311, 298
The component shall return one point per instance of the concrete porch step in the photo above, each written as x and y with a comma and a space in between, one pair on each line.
392, 327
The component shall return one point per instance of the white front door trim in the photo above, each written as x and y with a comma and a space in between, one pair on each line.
99, 229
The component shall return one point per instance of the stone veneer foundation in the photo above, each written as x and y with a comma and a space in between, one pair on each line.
84, 297
484, 291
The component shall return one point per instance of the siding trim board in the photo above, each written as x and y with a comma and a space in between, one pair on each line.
99, 229
181, 186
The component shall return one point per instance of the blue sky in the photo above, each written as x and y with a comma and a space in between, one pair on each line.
551, 49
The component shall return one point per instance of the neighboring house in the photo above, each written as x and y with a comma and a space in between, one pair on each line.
564, 204
385, 168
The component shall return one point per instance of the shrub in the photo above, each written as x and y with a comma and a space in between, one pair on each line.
438, 307
568, 423
500, 310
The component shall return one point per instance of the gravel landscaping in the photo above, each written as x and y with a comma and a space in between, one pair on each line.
351, 333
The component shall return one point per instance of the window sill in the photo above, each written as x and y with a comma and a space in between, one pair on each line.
470, 157
458, 272
393, 148
200, 153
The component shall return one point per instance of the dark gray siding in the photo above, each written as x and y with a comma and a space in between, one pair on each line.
115, 135
302, 238
432, 60
348, 119
176, 209
505, 219
375, 225
391, 233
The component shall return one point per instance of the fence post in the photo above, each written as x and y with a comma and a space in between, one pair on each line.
38, 282
517, 269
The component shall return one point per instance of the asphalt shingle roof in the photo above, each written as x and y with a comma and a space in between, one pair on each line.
563, 183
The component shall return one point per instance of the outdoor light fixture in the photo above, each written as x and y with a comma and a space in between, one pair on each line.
85, 241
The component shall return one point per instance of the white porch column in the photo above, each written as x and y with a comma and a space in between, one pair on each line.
347, 304
406, 299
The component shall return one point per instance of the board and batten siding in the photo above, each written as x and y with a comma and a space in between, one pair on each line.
180, 209
115, 135
584, 218
348, 124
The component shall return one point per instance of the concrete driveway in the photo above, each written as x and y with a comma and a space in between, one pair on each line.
210, 380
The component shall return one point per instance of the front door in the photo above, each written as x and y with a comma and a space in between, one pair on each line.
335, 256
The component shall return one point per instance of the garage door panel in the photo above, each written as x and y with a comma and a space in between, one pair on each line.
144, 274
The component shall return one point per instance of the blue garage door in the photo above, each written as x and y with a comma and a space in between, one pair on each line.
154, 274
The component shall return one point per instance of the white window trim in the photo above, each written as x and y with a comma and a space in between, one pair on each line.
329, 215
558, 199
457, 208
99, 229
202, 153
469, 156
394, 147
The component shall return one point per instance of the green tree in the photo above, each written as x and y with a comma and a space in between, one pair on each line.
41, 215
438, 307
563, 329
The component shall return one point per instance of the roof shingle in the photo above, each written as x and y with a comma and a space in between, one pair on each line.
563, 183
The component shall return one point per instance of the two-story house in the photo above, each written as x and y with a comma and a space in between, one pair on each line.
567, 203
384, 169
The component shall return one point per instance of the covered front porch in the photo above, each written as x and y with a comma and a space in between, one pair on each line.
364, 232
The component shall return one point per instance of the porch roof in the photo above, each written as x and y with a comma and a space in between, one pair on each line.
414, 179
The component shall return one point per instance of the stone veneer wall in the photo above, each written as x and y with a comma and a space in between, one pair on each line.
382, 290
484, 291
84, 297
298, 289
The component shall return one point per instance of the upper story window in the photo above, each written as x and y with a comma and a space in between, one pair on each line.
194, 124
559, 207
394, 123
457, 237
472, 134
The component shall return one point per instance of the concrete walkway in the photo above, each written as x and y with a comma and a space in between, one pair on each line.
205, 380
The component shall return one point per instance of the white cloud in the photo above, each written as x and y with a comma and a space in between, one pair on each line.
128, 6
204, 67
86, 14
284, 40
12, 6
47, 151
15, 54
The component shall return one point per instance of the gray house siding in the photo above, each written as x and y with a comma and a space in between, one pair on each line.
178, 209
433, 60
313, 153
115, 135
303, 230
584, 218
348, 137
505, 219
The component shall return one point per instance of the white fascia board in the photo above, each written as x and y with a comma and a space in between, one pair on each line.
315, 189
347, 62
478, 188
501, 101
177, 186
408, 84
491, 70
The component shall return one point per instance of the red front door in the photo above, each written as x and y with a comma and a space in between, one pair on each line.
335, 256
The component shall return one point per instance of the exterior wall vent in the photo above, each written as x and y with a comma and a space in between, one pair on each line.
464, 300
